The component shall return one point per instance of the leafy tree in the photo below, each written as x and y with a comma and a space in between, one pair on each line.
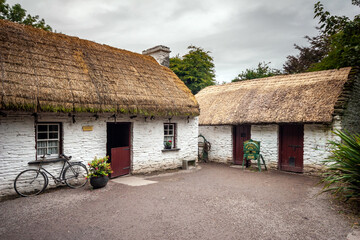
336, 46
319, 47
17, 14
195, 69
263, 70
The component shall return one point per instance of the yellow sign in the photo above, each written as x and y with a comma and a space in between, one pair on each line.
87, 128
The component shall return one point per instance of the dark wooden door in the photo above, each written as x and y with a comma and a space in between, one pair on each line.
291, 148
241, 133
118, 148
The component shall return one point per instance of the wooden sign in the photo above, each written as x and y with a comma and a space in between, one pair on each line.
87, 128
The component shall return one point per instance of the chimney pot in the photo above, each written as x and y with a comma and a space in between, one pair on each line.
160, 53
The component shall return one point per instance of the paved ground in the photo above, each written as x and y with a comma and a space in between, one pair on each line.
215, 202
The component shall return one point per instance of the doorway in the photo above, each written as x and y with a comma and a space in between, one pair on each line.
291, 152
118, 148
241, 133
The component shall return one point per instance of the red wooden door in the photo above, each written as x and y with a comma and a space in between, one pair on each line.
291, 148
241, 133
120, 161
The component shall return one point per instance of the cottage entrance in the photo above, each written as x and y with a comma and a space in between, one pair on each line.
118, 148
241, 133
291, 148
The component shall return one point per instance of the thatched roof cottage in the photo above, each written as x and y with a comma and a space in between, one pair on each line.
292, 116
62, 94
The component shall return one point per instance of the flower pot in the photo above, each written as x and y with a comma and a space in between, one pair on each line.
167, 147
99, 182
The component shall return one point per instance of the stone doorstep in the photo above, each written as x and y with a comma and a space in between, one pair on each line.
133, 181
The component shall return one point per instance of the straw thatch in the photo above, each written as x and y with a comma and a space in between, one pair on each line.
299, 98
44, 71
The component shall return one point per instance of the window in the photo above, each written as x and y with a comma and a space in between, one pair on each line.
48, 139
170, 134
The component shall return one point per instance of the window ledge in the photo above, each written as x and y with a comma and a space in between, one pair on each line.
170, 150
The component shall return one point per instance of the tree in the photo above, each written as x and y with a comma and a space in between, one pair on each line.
319, 47
195, 69
263, 70
17, 14
336, 46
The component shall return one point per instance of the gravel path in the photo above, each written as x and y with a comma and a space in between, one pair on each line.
215, 202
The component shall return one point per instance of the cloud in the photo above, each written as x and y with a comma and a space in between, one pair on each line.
240, 34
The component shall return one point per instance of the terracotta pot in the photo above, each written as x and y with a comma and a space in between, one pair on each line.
99, 182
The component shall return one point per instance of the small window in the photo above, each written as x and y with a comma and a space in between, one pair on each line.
170, 135
48, 139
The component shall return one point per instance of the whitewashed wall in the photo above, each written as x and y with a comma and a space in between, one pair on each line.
316, 141
220, 138
148, 144
316, 138
17, 142
269, 143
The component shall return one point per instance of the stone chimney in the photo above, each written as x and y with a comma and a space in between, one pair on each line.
160, 53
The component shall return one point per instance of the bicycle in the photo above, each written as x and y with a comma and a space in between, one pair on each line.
34, 181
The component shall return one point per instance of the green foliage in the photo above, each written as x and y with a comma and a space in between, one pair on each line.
195, 69
263, 70
17, 14
343, 176
99, 167
336, 46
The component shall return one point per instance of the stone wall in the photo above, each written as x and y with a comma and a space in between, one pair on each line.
268, 137
220, 138
351, 117
17, 138
316, 142
316, 138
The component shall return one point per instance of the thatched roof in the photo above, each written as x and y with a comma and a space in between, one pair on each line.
299, 98
44, 71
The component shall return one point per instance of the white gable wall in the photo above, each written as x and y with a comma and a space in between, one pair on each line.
17, 139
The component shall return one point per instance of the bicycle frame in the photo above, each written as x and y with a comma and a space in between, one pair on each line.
59, 179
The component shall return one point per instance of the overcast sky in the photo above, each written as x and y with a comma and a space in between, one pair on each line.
238, 33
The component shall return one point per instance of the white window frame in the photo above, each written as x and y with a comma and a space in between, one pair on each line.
170, 135
48, 139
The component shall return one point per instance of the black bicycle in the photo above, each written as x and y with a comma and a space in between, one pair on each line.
34, 181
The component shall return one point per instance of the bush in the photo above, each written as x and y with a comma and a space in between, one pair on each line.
343, 176
99, 167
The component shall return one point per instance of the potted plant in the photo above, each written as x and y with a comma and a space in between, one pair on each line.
99, 170
168, 144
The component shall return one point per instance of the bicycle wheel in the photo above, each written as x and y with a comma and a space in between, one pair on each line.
75, 175
30, 182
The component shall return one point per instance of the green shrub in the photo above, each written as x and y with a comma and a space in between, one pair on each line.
343, 176
99, 167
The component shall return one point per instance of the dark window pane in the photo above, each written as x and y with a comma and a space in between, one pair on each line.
42, 128
53, 128
42, 135
53, 136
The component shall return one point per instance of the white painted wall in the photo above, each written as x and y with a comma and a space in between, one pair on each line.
316, 138
268, 137
17, 142
316, 142
220, 138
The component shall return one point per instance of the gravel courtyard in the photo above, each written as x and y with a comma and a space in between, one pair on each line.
214, 202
